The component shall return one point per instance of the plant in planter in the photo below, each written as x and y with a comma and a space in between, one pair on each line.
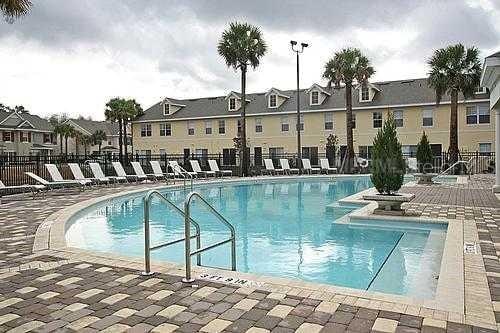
424, 161
388, 169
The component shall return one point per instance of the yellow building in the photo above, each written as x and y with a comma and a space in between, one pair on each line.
208, 125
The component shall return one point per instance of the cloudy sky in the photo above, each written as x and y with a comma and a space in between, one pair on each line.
72, 56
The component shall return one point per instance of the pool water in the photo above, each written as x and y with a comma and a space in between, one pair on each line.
283, 229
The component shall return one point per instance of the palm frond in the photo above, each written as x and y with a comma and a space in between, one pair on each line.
14, 9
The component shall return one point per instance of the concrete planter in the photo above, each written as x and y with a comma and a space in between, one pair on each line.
389, 204
425, 178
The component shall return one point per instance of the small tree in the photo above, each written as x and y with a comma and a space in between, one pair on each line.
332, 142
388, 167
424, 154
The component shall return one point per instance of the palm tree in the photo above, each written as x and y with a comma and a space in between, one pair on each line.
454, 69
86, 141
13, 9
57, 122
242, 45
98, 137
350, 67
113, 112
132, 111
69, 132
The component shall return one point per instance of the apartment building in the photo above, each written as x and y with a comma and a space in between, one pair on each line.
89, 127
208, 125
22, 134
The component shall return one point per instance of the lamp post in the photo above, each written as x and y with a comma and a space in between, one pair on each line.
297, 51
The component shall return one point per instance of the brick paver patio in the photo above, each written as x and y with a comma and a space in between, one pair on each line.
43, 292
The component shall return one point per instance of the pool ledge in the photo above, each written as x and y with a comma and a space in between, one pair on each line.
472, 305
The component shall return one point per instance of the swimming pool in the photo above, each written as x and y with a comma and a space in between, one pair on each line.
283, 228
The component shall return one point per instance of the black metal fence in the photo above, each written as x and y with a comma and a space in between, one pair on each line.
13, 168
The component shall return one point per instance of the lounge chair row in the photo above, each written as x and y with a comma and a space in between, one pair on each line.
306, 166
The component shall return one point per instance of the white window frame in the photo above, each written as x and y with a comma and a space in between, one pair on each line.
431, 111
223, 122
164, 127
166, 109
208, 125
328, 119
147, 130
284, 121
377, 113
396, 118
482, 144
363, 87
232, 107
275, 101
190, 126
312, 100
258, 123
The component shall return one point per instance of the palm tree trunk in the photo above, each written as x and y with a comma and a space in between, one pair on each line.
61, 142
350, 144
125, 139
100, 144
244, 162
66, 145
453, 148
120, 139
77, 149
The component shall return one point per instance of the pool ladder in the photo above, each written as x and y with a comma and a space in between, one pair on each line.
187, 233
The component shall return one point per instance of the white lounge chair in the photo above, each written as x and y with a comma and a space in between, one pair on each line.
268, 163
140, 172
286, 167
195, 165
155, 165
99, 174
35, 189
78, 175
325, 166
362, 162
215, 168
120, 172
180, 171
54, 185
57, 177
306, 165
412, 164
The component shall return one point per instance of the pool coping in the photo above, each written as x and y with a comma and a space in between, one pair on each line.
470, 309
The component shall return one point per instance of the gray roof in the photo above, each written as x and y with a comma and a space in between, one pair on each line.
17, 118
401, 92
91, 126
494, 55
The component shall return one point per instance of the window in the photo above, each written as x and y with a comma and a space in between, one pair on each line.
166, 109
163, 152
47, 138
232, 103
258, 125
25, 136
273, 101
329, 121
276, 152
201, 152
222, 127
427, 118
208, 127
314, 97
377, 119
480, 90
353, 120
165, 129
8, 136
484, 148
409, 150
366, 152
285, 126
398, 118
145, 130
190, 127
239, 127
365, 93
301, 122
477, 114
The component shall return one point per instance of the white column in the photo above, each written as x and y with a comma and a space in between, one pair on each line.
496, 187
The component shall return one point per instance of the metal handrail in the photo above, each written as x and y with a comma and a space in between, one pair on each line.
147, 242
183, 172
187, 234
453, 165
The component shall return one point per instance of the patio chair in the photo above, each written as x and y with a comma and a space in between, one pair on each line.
180, 171
78, 175
286, 167
362, 163
120, 172
57, 177
195, 165
140, 172
412, 164
99, 174
325, 166
306, 165
215, 168
34, 189
268, 163
155, 165
55, 185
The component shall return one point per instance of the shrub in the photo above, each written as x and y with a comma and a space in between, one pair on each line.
388, 165
424, 154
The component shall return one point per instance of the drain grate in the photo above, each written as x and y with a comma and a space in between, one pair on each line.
470, 248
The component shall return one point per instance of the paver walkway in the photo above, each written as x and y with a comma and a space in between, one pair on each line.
45, 293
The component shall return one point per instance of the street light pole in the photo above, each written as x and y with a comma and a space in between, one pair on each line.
297, 52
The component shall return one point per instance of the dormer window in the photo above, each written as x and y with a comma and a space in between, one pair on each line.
273, 101
480, 90
232, 104
315, 97
166, 109
365, 93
